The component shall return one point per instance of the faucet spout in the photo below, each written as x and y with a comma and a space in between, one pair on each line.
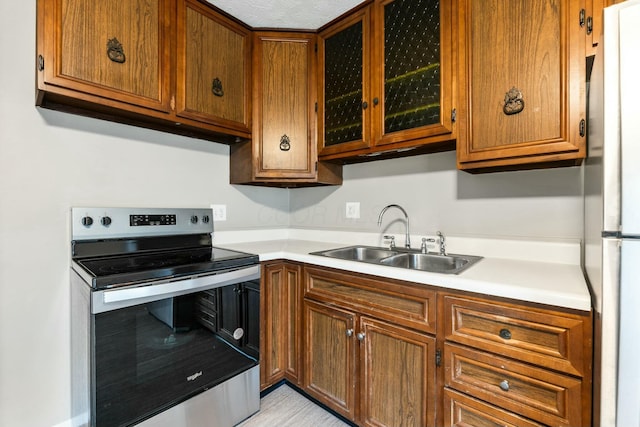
407, 241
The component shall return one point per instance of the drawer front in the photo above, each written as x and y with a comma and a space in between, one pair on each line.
398, 302
463, 411
547, 338
534, 393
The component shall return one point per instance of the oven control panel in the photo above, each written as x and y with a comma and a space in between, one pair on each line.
112, 223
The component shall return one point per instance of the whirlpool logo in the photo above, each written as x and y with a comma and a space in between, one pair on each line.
194, 376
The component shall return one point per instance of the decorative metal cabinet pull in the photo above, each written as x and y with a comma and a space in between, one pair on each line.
505, 334
349, 332
513, 102
216, 87
285, 143
115, 52
504, 385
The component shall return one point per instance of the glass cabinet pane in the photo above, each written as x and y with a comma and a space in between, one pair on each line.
411, 64
343, 86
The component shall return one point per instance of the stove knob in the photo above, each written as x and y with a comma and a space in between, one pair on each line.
194, 219
106, 221
205, 219
87, 221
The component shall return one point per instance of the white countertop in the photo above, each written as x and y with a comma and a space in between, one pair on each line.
560, 284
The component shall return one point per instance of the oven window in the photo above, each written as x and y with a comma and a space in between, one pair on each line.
152, 356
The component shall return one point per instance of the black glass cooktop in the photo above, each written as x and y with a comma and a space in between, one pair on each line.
123, 270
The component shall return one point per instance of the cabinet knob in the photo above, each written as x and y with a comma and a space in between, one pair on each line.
504, 385
505, 334
365, 105
349, 332
360, 336
376, 101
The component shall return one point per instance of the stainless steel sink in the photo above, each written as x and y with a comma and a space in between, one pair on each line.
403, 258
451, 264
359, 253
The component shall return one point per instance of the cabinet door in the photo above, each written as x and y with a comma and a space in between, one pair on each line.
330, 357
343, 96
412, 80
523, 77
111, 50
213, 67
283, 133
251, 317
398, 376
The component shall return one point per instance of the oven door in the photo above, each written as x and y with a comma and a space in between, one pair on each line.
157, 349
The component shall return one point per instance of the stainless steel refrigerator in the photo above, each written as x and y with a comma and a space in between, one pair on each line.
612, 216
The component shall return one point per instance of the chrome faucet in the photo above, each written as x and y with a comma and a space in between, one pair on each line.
407, 240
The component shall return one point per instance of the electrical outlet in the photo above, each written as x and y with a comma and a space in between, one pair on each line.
219, 212
352, 210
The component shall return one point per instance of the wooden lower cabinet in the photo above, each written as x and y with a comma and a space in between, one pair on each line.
369, 371
506, 361
383, 352
461, 410
330, 357
281, 319
397, 376
370, 350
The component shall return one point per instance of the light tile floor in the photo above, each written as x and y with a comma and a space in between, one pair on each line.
284, 407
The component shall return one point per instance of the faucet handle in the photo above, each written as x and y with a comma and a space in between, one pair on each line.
423, 247
442, 243
391, 239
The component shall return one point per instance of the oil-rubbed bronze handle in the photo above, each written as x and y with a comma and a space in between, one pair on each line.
285, 143
513, 102
115, 52
216, 87
365, 105
505, 334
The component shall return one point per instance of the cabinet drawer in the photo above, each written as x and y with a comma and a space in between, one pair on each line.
398, 302
462, 411
547, 338
535, 393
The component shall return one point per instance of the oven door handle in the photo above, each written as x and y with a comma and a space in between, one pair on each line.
113, 299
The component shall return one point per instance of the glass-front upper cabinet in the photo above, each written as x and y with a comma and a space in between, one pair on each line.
386, 80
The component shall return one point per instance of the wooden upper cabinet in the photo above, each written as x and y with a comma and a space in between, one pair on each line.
522, 75
141, 63
385, 80
114, 50
283, 151
214, 66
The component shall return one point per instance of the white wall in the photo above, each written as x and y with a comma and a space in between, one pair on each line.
543, 204
52, 161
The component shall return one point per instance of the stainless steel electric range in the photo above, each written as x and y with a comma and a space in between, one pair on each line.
165, 327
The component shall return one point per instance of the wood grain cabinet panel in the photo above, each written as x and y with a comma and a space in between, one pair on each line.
461, 410
281, 317
330, 357
522, 74
116, 50
397, 376
388, 299
543, 337
149, 63
392, 378
535, 393
214, 66
283, 150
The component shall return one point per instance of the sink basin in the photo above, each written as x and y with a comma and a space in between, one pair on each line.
358, 253
403, 258
451, 264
